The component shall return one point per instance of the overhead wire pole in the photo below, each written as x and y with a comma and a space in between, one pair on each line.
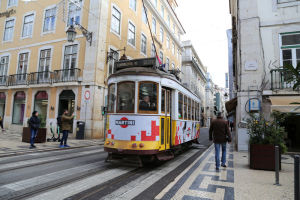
150, 30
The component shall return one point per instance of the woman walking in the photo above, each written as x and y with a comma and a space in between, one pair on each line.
34, 124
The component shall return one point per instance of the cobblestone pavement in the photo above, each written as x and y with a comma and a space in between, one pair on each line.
11, 143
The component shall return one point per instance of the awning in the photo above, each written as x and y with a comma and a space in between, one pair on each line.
284, 104
231, 105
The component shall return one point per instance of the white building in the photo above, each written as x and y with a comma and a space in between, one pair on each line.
209, 96
266, 35
193, 74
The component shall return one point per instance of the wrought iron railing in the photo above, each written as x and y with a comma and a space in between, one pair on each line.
3, 80
18, 79
44, 77
66, 75
279, 79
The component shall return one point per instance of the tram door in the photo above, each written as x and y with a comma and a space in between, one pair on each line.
165, 119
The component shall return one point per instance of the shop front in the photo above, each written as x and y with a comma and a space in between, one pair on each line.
19, 108
41, 105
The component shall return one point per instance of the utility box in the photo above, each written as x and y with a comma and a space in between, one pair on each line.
80, 130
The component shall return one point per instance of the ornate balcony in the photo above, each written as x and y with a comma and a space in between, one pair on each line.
18, 79
278, 80
66, 75
3, 80
45, 77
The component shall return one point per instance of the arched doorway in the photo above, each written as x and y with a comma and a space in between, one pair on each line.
41, 105
19, 108
66, 101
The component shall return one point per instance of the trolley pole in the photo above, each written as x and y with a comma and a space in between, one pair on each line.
297, 176
277, 166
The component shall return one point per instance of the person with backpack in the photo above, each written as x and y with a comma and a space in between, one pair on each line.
66, 125
34, 124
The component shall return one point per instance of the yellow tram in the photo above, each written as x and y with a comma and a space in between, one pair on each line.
150, 112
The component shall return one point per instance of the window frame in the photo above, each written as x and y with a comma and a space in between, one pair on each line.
128, 42
153, 27
143, 36
120, 20
108, 95
64, 56
44, 18
161, 56
189, 109
12, 27
4, 65
9, 6
134, 9
157, 98
293, 48
182, 105
185, 107
144, 15
23, 25
163, 90
161, 34
68, 13
168, 98
117, 96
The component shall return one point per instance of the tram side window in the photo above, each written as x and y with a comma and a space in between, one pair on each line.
180, 109
193, 110
163, 100
168, 101
111, 98
148, 97
190, 109
196, 111
125, 95
185, 108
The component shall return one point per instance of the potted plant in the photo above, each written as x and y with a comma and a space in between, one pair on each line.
264, 136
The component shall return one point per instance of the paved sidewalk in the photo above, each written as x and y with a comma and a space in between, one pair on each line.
200, 181
11, 143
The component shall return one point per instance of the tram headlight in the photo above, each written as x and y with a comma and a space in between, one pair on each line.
107, 142
112, 143
134, 145
142, 145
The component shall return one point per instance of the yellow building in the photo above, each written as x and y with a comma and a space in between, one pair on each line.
41, 70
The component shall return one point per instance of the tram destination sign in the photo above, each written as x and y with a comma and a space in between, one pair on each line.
145, 62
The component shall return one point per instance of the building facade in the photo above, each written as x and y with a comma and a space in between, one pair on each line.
41, 70
193, 75
265, 36
210, 96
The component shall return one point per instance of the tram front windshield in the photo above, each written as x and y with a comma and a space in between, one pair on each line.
126, 93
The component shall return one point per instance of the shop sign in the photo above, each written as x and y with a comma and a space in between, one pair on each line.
124, 122
7, 13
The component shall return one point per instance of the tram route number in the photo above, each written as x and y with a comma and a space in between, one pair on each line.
124, 122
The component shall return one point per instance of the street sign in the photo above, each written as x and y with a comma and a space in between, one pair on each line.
87, 95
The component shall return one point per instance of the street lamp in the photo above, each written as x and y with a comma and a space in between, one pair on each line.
71, 33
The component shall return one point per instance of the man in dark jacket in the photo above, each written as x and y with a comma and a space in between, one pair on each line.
220, 134
34, 124
66, 125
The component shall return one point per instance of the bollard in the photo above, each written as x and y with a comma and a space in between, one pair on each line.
277, 166
297, 177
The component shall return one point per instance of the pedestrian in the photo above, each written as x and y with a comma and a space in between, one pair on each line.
1, 123
34, 124
220, 134
66, 126
231, 126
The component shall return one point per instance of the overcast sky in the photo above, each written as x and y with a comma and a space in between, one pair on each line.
205, 23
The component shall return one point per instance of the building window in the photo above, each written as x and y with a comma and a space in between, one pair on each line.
116, 20
168, 42
169, 21
28, 25
23, 63
153, 50
40, 105
153, 25
178, 54
162, 11
9, 30
125, 97
173, 48
174, 28
144, 15
167, 64
74, 12
19, 108
161, 34
3, 67
111, 66
185, 106
12, 3
180, 106
111, 98
132, 4
49, 21
2, 104
173, 66
290, 48
131, 34
148, 97
190, 109
144, 44
44, 65
161, 56
70, 57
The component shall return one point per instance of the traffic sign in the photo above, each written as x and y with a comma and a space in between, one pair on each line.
87, 95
